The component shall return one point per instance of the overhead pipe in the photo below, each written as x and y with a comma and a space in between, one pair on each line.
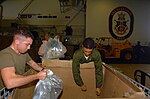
25, 7
22, 10
84, 9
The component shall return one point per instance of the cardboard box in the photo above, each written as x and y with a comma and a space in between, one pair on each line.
115, 85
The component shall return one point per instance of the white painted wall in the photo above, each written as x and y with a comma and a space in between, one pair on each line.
97, 18
11, 9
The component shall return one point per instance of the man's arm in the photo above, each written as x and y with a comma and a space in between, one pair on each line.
34, 65
76, 73
12, 80
76, 70
98, 71
99, 74
42, 48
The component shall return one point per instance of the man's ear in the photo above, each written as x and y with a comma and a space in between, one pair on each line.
17, 41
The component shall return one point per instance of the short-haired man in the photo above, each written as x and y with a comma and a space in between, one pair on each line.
86, 54
14, 58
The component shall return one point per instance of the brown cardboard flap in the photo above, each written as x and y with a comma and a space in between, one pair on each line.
115, 85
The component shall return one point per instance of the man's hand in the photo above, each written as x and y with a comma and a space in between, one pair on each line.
42, 74
83, 88
98, 91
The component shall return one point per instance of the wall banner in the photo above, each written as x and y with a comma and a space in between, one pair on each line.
121, 22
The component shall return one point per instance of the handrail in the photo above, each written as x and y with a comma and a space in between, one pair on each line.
142, 75
28, 4
5, 93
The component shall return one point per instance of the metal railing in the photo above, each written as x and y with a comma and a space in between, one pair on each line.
140, 77
5, 93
